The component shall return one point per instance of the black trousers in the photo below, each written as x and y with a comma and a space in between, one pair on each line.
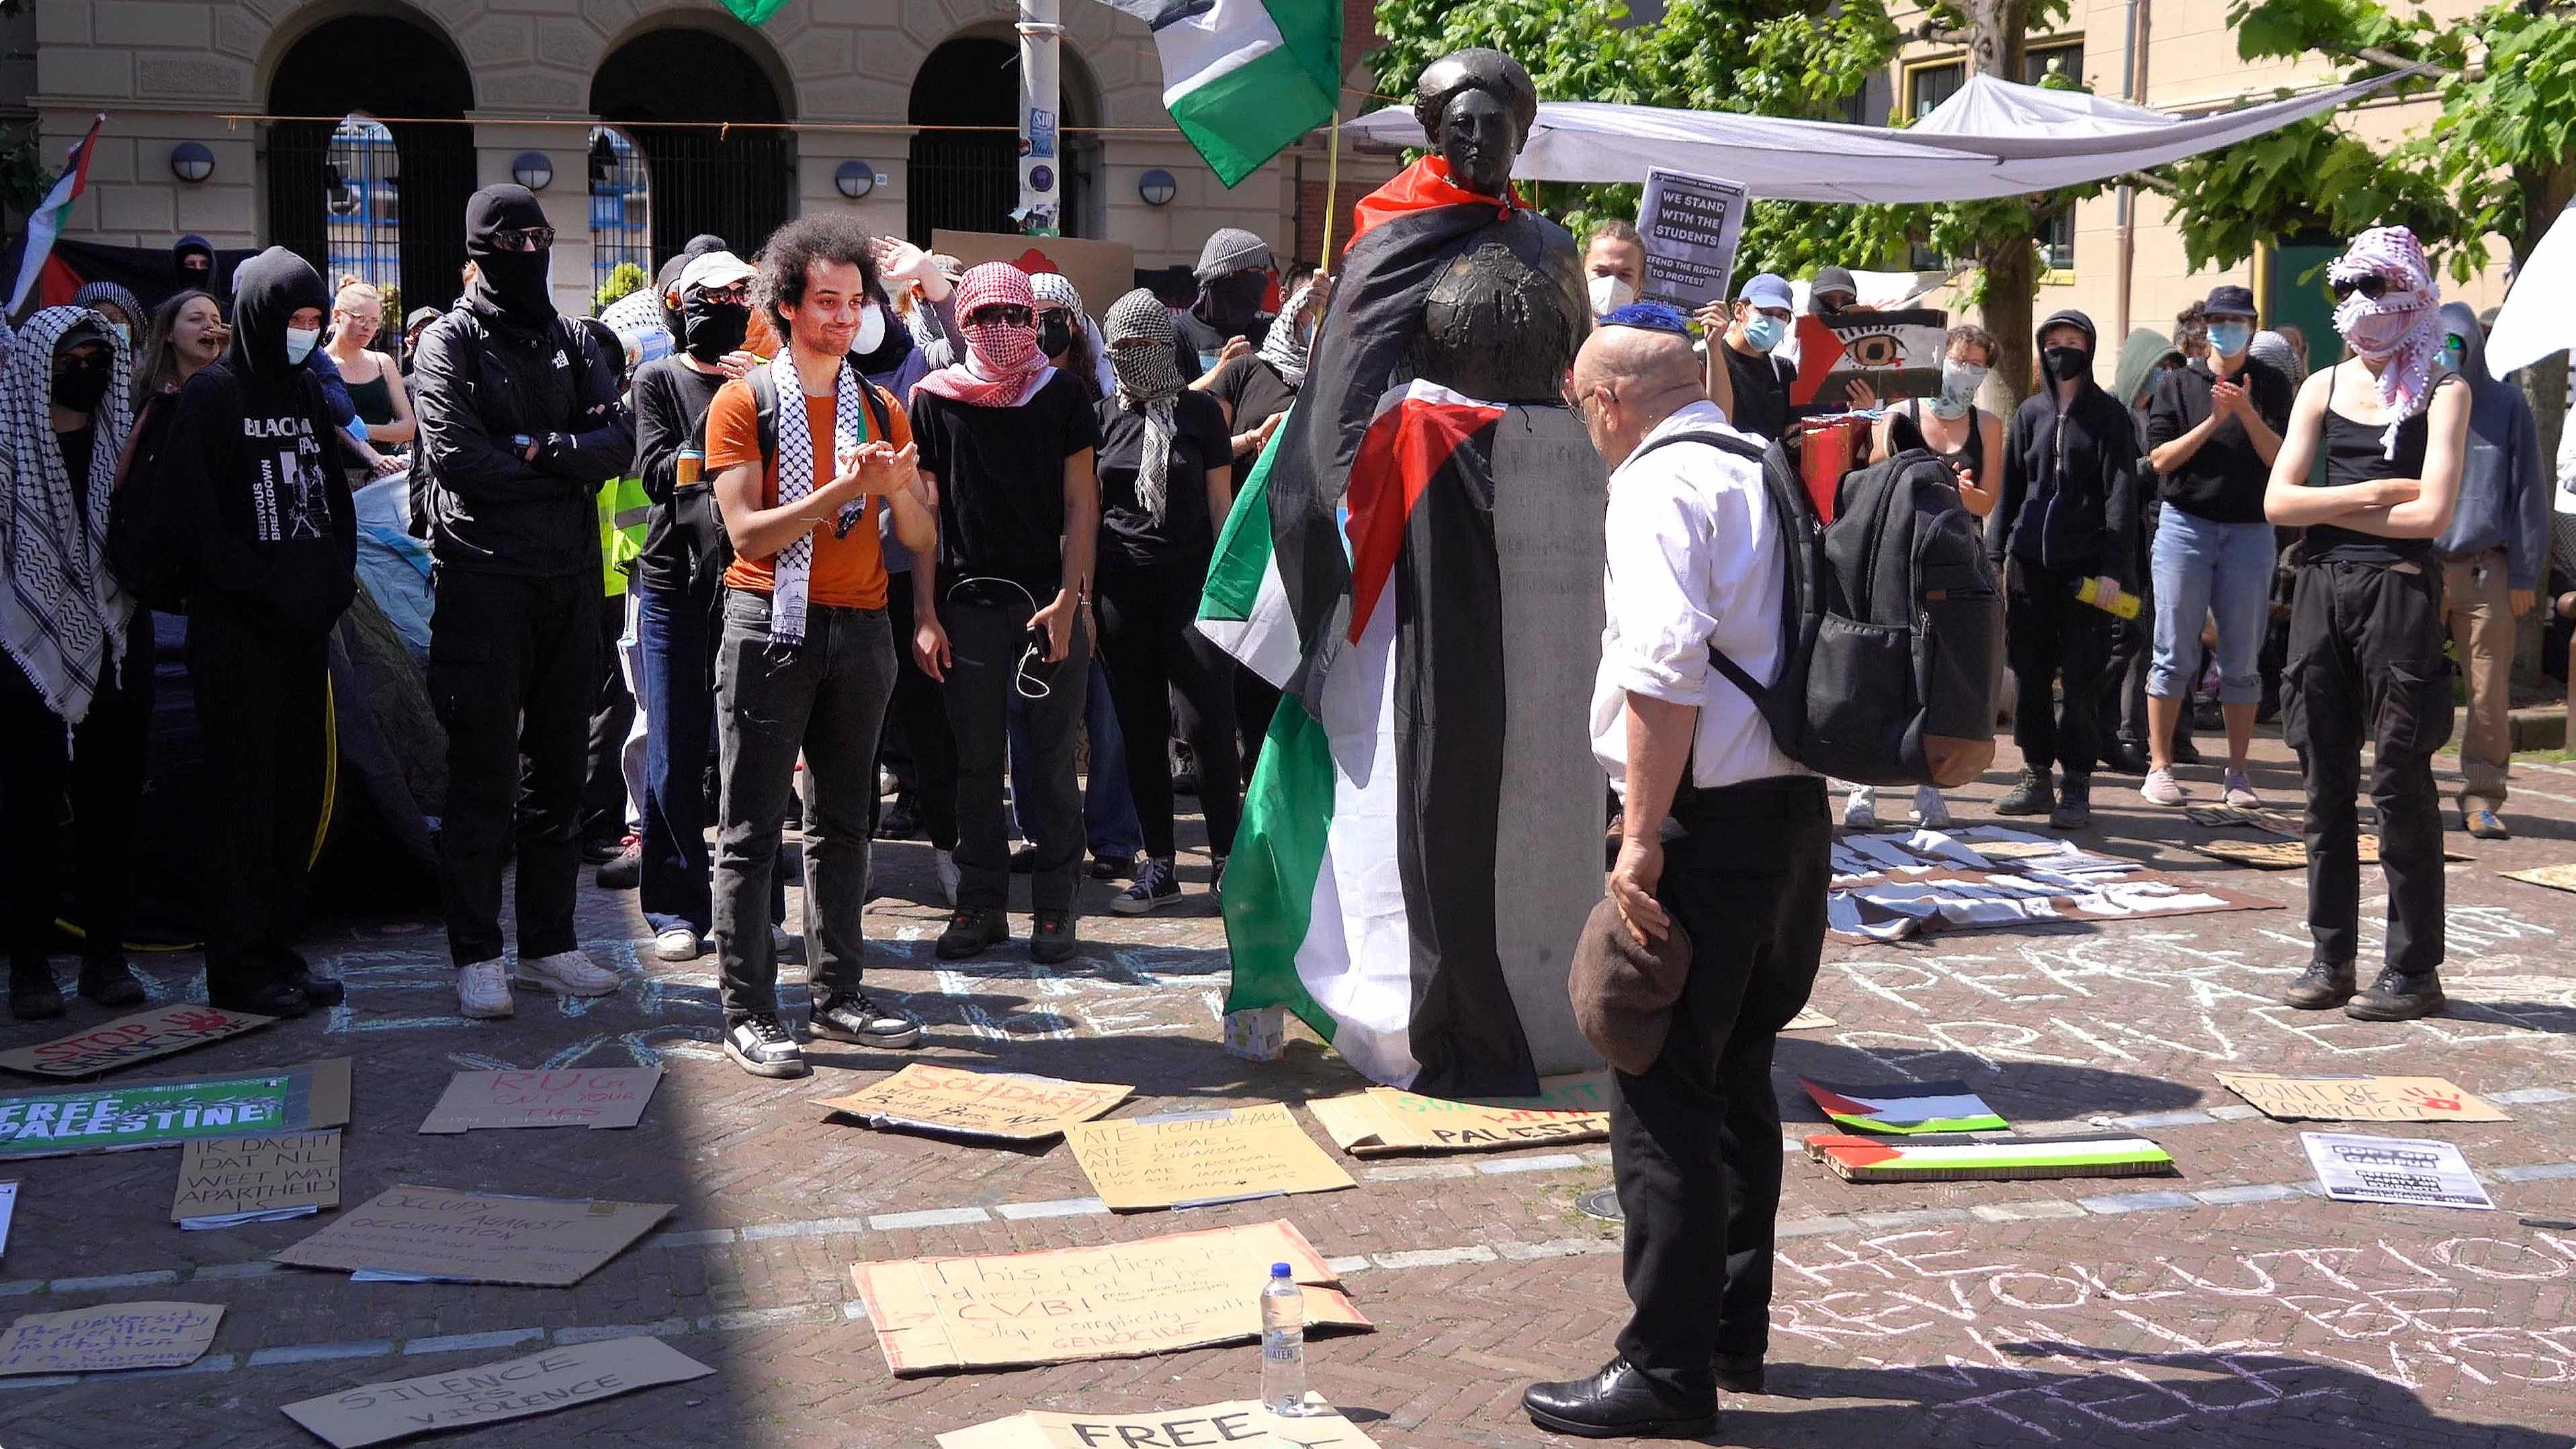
987, 642
2053, 638
612, 716
1152, 653
263, 696
917, 725
1695, 1142
2366, 663
97, 770
513, 671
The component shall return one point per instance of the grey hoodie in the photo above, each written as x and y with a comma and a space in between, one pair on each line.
2504, 491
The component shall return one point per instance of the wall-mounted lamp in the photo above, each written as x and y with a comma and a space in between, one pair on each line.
1157, 187
532, 170
856, 179
191, 162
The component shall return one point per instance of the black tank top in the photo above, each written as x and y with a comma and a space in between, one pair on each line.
2358, 452
1905, 430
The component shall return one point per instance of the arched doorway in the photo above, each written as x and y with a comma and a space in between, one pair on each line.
621, 206
336, 187
736, 184
970, 180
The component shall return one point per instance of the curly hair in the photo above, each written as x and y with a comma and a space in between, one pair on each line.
791, 250
1969, 334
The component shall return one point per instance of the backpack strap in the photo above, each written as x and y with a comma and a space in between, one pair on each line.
1743, 448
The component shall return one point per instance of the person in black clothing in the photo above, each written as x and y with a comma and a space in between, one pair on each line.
251, 518
192, 260
1757, 382
519, 425
2069, 514
2366, 631
1164, 480
611, 834
76, 678
1234, 274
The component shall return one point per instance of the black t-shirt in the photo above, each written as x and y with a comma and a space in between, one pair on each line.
683, 534
1129, 535
1253, 389
1761, 392
1001, 482
2224, 481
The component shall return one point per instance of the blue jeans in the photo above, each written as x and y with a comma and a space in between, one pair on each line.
2203, 567
671, 685
1109, 822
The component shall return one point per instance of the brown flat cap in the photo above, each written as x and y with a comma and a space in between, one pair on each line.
1624, 993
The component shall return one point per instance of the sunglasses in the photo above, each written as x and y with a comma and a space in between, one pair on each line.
1001, 313
737, 293
524, 238
2373, 287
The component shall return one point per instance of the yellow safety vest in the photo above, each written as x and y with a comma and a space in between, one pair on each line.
623, 511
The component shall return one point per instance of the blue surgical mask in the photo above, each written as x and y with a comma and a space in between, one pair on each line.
1207, 362
299, 344
1763, 332
2228, 339
1959, 384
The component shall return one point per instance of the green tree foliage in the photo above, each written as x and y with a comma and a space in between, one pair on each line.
623, 279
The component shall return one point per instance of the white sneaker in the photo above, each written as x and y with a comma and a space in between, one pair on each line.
1860, 808
565, 973
483, 993
945, 863
1930, 810
679, 944
2160, 788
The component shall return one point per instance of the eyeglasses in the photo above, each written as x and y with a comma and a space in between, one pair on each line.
2373, 287
737, 293
524, 238
1001, 314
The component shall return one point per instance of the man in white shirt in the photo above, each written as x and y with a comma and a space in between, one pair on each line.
1736, 856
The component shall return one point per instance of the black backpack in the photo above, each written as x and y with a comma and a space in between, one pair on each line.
697, 517
1891, 624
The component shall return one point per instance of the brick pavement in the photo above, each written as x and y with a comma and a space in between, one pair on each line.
2225, 1307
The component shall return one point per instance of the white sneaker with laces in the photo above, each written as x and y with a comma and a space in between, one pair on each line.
565, 973
483, 993
1860, 808
1930, 810
2239, 791
945, 863
679, 944
2160, 788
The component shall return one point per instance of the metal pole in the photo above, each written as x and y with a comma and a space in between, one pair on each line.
1041, 164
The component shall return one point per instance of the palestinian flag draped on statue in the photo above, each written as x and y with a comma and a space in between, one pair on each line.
1244, 78
1420, 572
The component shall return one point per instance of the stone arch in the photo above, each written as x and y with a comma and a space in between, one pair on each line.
681, 81
437, 18
971, 180
755, 43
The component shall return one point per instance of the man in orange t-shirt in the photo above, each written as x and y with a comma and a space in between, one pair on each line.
805, 660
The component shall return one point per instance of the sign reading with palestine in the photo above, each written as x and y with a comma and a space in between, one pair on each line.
164, 1113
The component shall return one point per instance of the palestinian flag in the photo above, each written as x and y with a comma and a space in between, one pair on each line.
1872, 1159
1244, 78
1915, 1107
46, 221
1419, 572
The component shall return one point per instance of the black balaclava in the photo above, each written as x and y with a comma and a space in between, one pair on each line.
82, 384
194, 249
710, 329
267, 290
511, 283
1232, 304
669, 277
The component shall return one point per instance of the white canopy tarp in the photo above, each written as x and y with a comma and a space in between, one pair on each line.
2539, 314
1993, 138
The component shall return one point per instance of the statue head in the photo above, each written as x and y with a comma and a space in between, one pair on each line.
1477, 106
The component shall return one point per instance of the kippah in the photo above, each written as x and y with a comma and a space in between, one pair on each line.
1651, 316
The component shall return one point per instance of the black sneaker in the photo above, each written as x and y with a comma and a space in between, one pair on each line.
267, 996
108, 981
33, 996
1113, 867
625, 870
856, 1018
2399, 996
2074, 804
901, 821
760, 1046
1051, 938
971, 930
2030, 795
1156, 887
2324, 986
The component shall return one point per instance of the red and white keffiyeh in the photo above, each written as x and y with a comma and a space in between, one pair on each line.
1003, 367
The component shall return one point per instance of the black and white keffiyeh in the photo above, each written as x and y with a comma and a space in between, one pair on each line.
63, 614
1281, 347
1149, 382
792, 571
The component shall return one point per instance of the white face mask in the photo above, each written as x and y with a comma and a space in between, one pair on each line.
1609, 294
872, 326
299, 344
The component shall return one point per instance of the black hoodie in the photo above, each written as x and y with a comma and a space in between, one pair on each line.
2071, 500
249, 506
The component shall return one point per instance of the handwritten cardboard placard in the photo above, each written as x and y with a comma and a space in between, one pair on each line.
440, 1233
2359, 1098
166, 1112
1007, 1105
541, 1383
2556, 877
130, 1039
229, 1180
2405, 1170
578, 1097
2293, 854
1126, 1300
1190, 1159
1383, 1119
1242, 1424
109, 1337
1102, 271
1809, 1019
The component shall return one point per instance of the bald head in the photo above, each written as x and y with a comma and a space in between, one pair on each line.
1628, 379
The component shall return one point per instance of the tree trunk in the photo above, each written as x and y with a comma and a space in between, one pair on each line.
1995, 47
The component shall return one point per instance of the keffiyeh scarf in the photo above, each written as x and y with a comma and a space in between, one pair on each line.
2400, 331
1149, 382
62, 613
792, 571
1003, 367
1283, 349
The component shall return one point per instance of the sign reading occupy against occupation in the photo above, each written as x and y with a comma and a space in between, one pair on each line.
1242, 1424
1191, 1159
1157, 1295
559, 1378
578, 1097
1007, 1105
441, 1234
109, 1337
225, 1181
164, 1113
1690, 225
130, 1039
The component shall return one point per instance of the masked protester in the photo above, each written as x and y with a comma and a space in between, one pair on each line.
2392, 427
1758, 378
2069, 515
192, 264
1832, 292
1007, 443
1234, 275
76, 682
519, 425
254, 523
1614, 265
119, 309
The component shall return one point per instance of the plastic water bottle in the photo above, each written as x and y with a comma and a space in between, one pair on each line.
2116, 601
1283, 1344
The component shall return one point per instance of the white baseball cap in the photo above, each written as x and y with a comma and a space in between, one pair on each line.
713, 269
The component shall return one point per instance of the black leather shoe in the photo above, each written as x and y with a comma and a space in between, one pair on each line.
262, 998
2122, 758
33, 996
1051, 938
2399, 996
108, 981
2324, 986
318, 990
970, 930
1616, 1403
1737, 1373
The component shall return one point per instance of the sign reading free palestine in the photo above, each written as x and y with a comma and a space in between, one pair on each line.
165, 1113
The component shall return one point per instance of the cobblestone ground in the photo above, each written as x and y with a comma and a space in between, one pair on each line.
2221, 1308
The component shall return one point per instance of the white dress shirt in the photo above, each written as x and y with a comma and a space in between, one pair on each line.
1694, 560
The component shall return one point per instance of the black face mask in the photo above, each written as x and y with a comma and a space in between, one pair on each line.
716, 328
80, 385
1055, 333
1232, 304
2066, 364
194, 275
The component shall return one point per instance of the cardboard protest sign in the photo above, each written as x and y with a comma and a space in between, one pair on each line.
1007, 1105
1897, 353
130, 1039
442, 1234
1383, 1119
8, 1210
2402, 1170
2292, 854
163, 1113
2556, 877
1126, 1300
1242, 1424
1906, 1107
1690, 225
579, 1097
1102, 271
541, 1383
2359, 1098
1876, 1159
2271, 822
1190, 1159
1809, 1019
109, 1337
228, 1180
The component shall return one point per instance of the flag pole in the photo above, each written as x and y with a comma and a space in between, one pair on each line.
1332, 187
